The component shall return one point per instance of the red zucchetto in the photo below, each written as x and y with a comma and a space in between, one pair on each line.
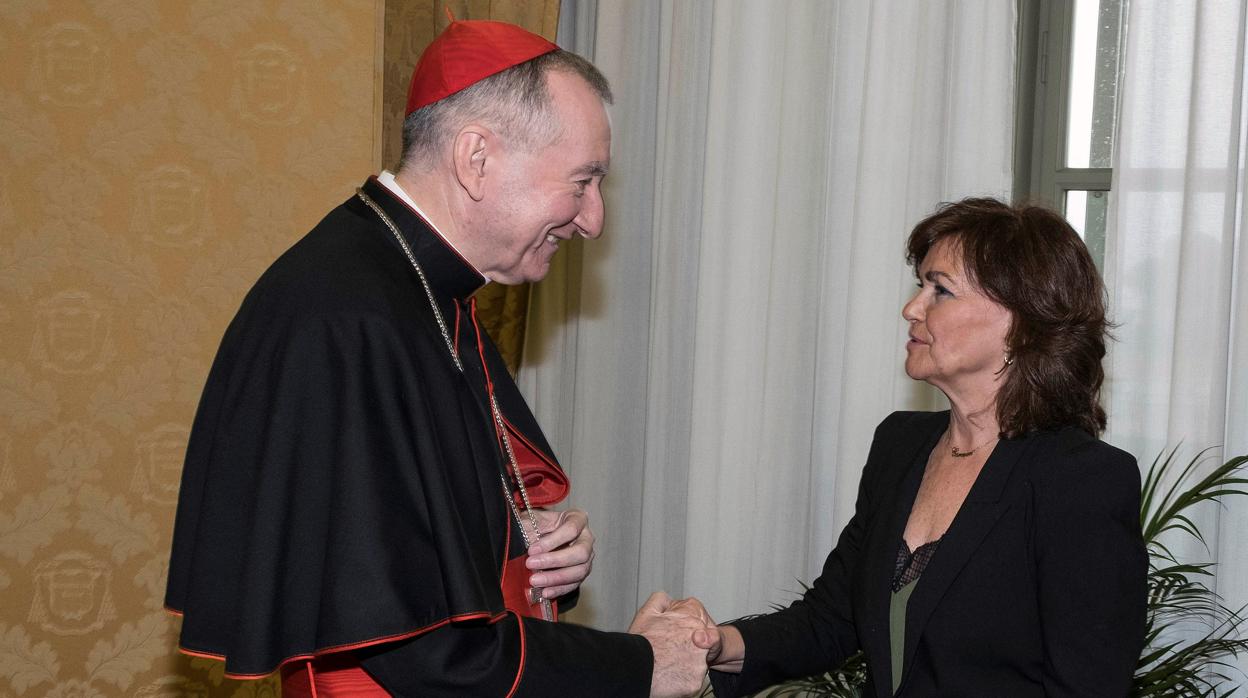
465, 53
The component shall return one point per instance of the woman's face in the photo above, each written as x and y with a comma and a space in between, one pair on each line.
957, 334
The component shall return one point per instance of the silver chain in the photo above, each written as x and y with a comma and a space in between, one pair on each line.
446, 336
501, 426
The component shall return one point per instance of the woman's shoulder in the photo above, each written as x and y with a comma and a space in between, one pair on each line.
1071, 457
1074, 445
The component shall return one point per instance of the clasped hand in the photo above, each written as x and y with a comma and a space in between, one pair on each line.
685, 641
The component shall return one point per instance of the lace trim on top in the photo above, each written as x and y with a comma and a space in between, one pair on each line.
910, 565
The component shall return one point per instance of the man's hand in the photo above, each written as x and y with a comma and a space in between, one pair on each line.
725, 650
707, 637
679, 666
564, 555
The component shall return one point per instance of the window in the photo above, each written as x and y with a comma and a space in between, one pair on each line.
1068, 79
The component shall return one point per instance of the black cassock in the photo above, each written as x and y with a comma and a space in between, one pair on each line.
341, 490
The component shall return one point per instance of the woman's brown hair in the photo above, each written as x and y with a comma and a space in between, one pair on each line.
1029, 260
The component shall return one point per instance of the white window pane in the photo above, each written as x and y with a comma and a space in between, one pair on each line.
1077, 210
1093, 83
1085, 210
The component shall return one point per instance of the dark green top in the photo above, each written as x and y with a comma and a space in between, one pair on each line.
897, 629
906, 571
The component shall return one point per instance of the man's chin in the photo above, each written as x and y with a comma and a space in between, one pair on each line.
538, 275
524, 276
538, 270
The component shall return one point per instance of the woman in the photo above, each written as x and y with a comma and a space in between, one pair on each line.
995, 548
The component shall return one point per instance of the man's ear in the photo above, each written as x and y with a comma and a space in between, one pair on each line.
471, 147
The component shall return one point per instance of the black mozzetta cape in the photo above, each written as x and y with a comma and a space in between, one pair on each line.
341, 490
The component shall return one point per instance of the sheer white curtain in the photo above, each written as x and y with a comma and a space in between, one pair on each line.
1177, 263
712, 369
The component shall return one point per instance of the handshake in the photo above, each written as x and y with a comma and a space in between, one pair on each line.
685, 642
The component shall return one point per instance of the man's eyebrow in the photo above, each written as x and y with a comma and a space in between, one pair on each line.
593, 169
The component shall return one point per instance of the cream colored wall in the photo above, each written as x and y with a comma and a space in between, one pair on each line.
155, 155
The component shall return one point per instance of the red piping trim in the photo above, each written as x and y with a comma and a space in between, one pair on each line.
502, 573
456, 304
489, 382
520, 669
345, 647
311, 678
498, 436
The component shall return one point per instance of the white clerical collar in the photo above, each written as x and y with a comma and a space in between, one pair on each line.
389, 182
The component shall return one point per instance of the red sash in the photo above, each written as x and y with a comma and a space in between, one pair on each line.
339, 675
336, 675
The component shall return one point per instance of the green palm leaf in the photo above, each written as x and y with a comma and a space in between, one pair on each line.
1179, 601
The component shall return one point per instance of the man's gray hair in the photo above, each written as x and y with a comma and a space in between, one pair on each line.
514, 102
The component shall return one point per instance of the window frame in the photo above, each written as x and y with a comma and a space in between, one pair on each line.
1043, 73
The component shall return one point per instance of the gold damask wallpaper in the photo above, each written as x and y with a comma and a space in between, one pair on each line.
155, 156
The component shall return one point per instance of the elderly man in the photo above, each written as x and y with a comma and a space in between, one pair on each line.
361, 505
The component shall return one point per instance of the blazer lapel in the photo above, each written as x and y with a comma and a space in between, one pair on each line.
976, 517
898, 496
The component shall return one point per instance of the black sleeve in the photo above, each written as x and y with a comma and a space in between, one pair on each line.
513, 657
1091, 568
568, 601
816, 633
568, 659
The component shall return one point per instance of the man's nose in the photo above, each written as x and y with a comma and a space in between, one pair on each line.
593, 212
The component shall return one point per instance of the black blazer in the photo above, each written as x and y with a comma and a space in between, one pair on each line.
1038, 587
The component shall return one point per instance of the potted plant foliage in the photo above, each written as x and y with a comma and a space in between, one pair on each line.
1175, 663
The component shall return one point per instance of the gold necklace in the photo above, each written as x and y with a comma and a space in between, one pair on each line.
963, 454
535, 597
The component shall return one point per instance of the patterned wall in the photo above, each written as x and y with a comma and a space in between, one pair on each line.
155, 155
